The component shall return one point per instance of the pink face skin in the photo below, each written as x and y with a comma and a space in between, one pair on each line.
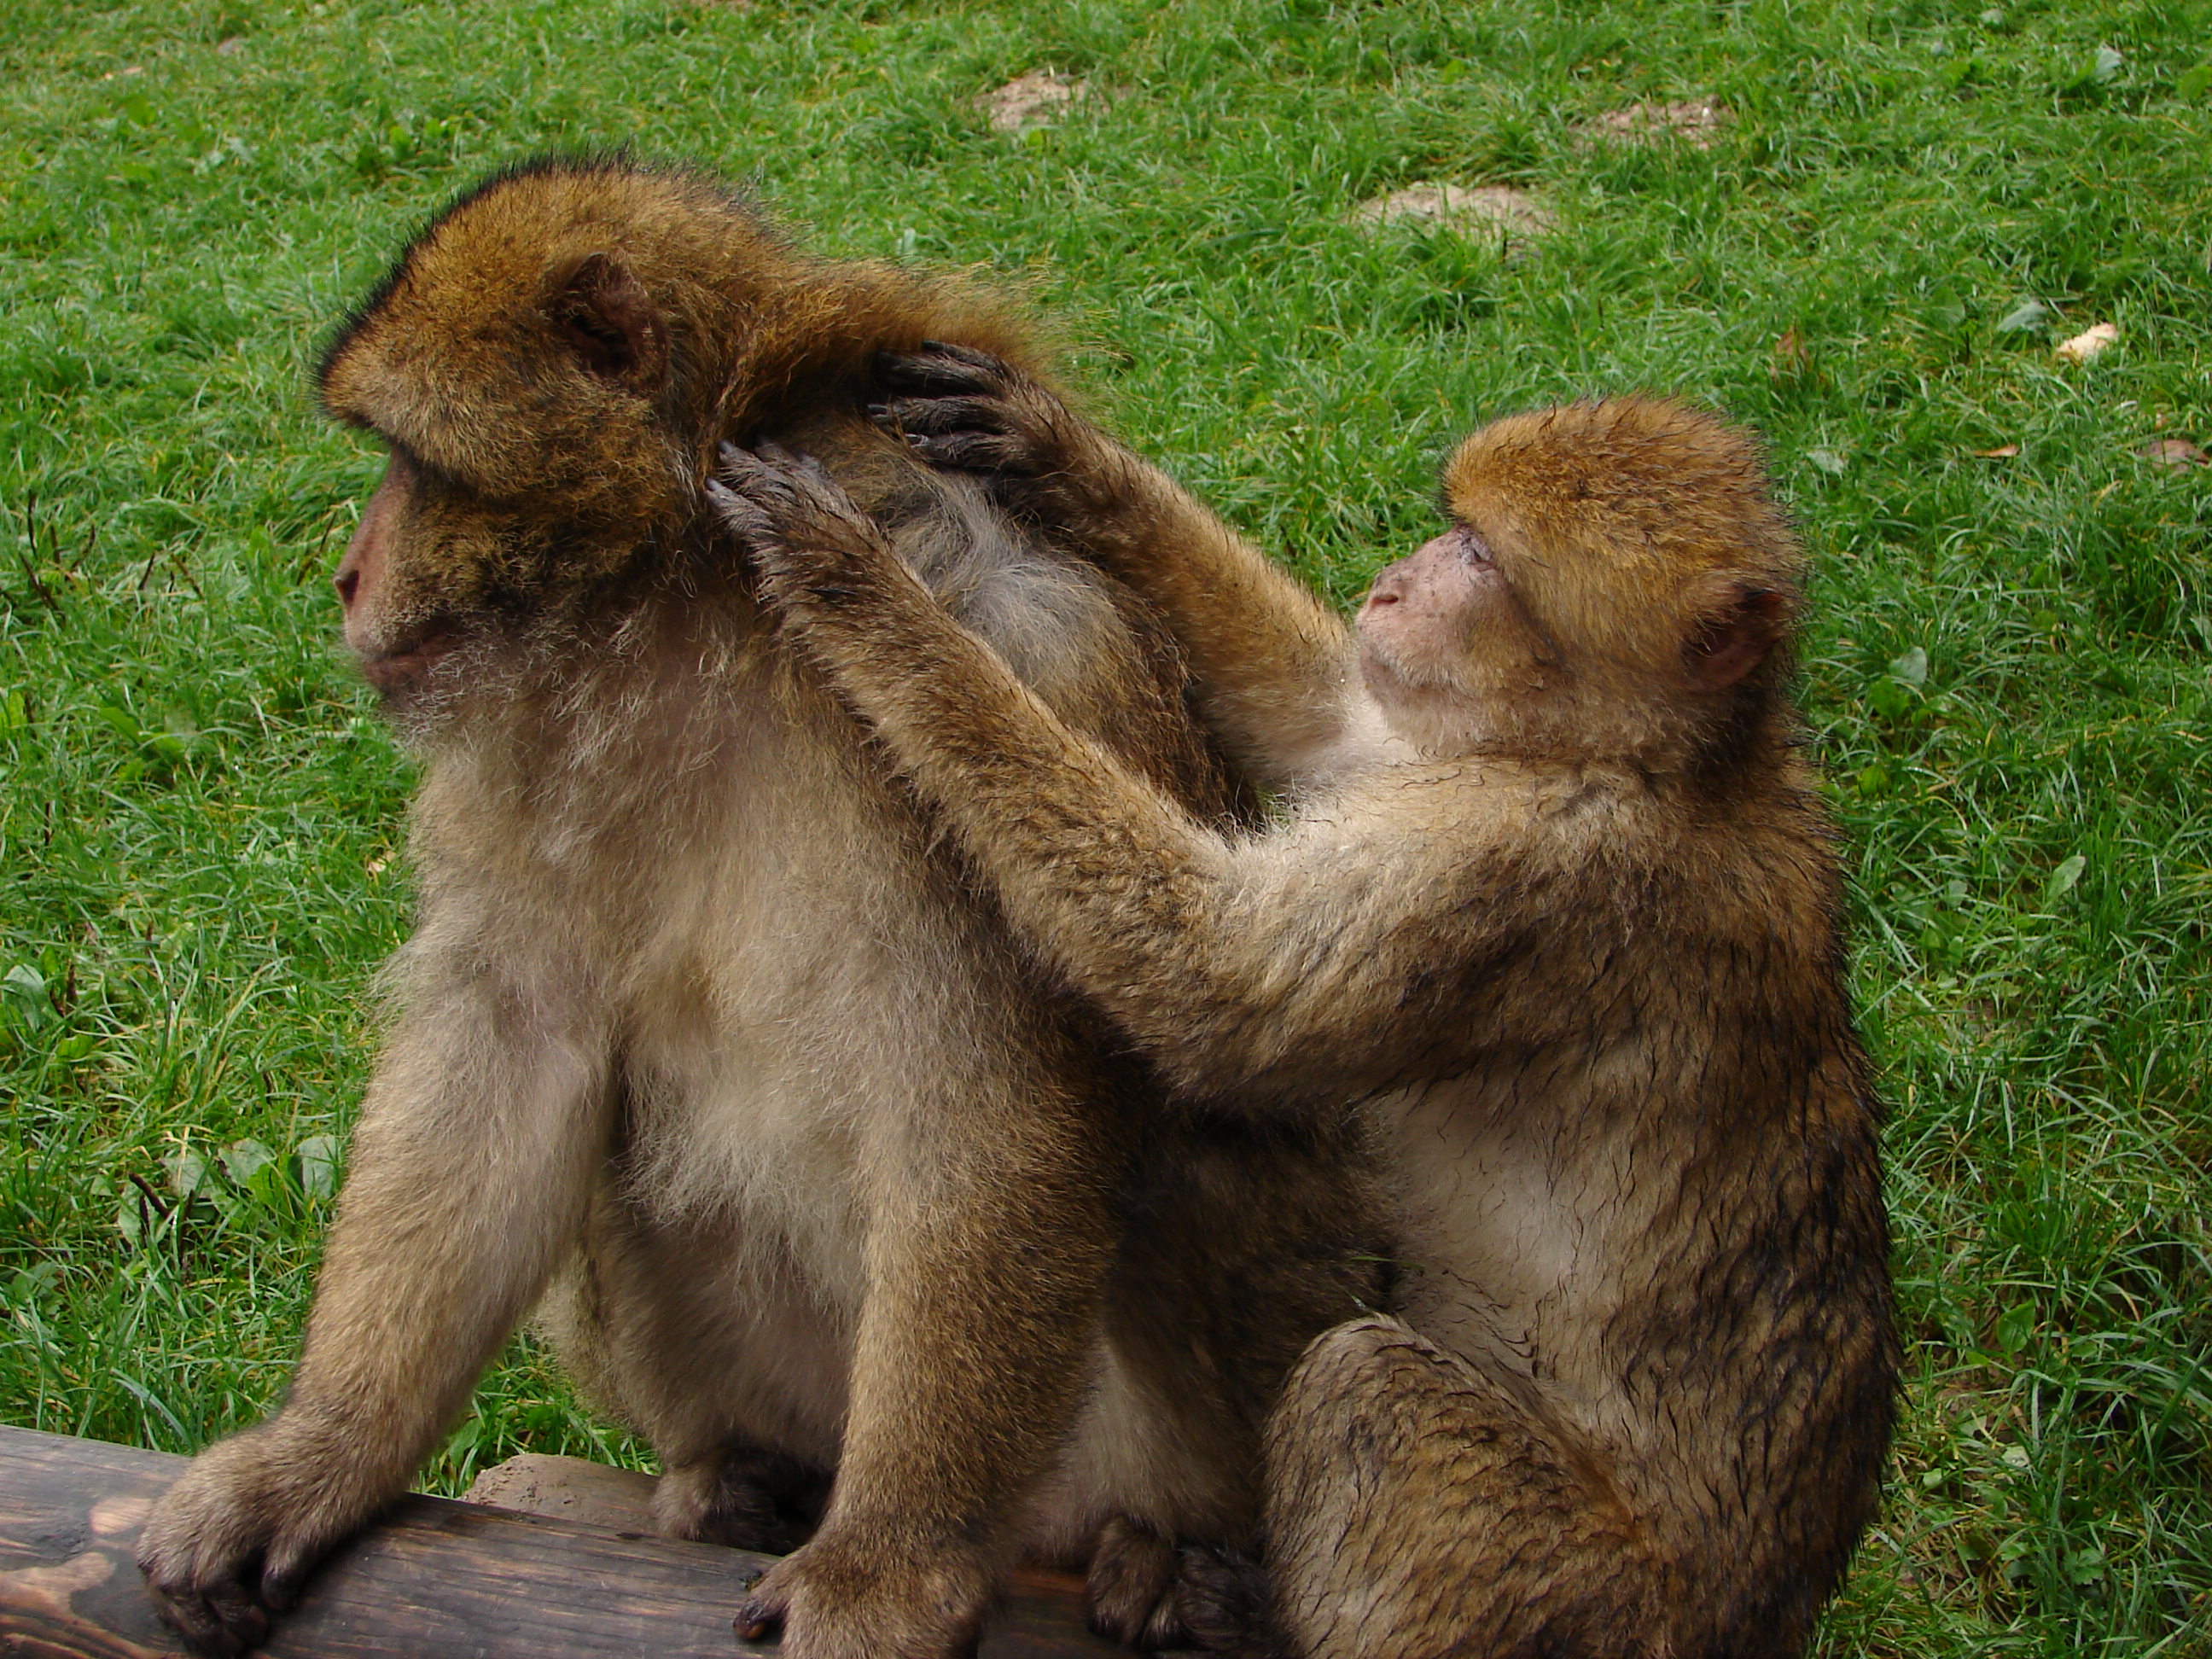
392, 667
1421, 617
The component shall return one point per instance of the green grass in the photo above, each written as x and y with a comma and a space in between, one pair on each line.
2008, 673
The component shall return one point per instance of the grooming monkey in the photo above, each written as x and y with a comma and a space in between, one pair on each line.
1554, 897
852, 1206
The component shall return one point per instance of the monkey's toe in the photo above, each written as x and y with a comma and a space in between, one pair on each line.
1131, 1586
748, 1497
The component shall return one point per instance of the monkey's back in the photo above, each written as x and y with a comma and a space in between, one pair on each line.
1664, 1206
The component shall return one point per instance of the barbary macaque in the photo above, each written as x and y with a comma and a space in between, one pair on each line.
1551, 902
842, 1200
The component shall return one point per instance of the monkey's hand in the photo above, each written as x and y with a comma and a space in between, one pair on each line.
852, 1598
231, 1544
814, 550
968, 411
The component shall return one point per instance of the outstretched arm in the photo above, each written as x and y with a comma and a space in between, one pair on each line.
1271, 662
1297, 969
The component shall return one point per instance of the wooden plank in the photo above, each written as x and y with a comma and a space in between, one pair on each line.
433, 1580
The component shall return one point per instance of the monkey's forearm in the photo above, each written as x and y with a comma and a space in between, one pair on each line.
1145, 909
1270, 661
469, 1172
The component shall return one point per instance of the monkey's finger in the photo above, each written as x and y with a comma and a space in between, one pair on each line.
972, 452
765, 463
244, 1620
808, 466
745, 468
283, 1577
756, 482
732, 504
798, 473
942, 414
192, 1618
742, 516
974, 356
939, 369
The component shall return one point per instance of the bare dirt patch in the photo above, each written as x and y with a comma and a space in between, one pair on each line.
1697, 122
1037, 100
1476, 211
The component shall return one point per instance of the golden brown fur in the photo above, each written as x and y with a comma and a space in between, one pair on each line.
697, 1006
1554, 901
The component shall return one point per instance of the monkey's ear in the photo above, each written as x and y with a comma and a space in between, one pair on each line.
607, 320
1735, 636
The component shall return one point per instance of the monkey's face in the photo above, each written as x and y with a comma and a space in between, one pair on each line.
1446, 643
423, 572
525, 381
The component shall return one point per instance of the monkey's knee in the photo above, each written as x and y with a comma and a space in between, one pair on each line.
1358, 1404
746, 1497
1418, 1507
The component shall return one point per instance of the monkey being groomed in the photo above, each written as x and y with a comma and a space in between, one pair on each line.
890, 1260
1552, 901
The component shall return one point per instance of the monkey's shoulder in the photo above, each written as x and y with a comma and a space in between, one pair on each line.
1588, 848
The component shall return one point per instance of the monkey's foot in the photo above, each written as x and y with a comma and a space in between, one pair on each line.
858, 1597
1132, 1586
747, 1498
231, 1544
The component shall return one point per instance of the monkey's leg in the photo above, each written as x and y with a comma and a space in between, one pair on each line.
1415, 1507
986, 1272
468, 1175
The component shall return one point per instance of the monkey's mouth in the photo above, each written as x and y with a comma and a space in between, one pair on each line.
397, 672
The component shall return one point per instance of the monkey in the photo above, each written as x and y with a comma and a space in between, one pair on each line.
702, 1040
1550, 900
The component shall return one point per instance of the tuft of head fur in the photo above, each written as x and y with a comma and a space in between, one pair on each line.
590, 328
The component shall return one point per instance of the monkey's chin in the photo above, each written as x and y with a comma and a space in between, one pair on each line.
397, 676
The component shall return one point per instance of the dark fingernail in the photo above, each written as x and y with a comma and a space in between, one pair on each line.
753, 1623
879, 411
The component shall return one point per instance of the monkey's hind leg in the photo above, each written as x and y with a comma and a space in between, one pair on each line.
1416, 1508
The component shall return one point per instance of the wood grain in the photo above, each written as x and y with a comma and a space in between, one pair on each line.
433, 1580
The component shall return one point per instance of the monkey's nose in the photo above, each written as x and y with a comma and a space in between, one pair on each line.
347, 582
